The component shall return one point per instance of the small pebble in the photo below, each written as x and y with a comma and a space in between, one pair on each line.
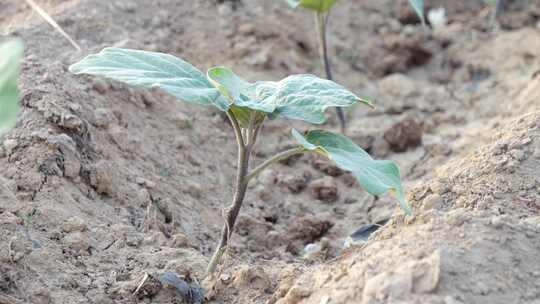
74, 224
433, 201
10, 145
311, 248
190, 292
179, 240
518, 154
496, 222
536, 153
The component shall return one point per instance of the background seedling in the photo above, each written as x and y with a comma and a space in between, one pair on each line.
247, 105
498, 4
321, 9
498, 8
11, 53
418, 6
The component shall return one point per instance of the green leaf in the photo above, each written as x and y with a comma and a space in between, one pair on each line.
375, 176
11, 53
304, 97
240, 95
238, 91
227, 83
418, 6
151, 69
320, 6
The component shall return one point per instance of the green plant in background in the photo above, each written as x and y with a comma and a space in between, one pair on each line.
498, 8
247, 105
498, 4
321, 9
418, 6
11, 53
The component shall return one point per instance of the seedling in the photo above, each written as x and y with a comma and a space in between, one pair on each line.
498, 8
247, 105
11, 53
321, 9
498, 4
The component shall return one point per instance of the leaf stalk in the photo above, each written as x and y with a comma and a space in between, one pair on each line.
282, 155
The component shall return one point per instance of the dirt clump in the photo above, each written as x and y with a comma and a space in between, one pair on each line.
324, 189
432, 256
403, 135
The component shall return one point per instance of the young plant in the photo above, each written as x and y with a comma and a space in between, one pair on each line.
11, 53
247, 105
321, 9
498, 8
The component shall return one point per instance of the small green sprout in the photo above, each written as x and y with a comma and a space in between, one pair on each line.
321, 9
247, 105
11, 53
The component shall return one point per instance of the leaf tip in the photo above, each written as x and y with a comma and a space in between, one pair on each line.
406, 208
367, 102
73, 68
17, 46
402, 201
293, 3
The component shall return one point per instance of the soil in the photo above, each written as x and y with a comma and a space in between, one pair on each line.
106, 188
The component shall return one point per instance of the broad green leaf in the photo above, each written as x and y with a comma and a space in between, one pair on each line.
151, 69
418, 6
11, 53
375, 176
320, 6
304, 97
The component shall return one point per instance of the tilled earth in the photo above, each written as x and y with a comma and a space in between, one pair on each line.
104, 186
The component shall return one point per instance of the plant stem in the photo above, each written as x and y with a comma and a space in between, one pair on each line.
231, 213
245, 147
245, 139
320, 20
499, 7
273, 159
323, 48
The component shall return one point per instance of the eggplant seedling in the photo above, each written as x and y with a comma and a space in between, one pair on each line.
303, 97
11, 53
321, 9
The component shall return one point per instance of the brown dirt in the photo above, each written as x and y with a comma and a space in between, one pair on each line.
101, 183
